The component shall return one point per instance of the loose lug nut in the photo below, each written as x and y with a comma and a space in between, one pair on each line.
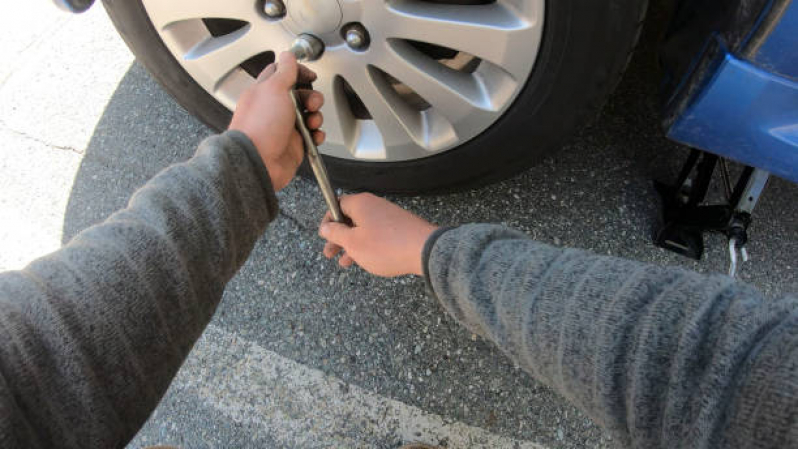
307, 47
356, 36
274, 9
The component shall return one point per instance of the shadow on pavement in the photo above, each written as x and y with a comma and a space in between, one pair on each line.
141, 131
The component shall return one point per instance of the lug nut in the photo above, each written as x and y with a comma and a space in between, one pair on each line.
274, 8
356, 36
307, 47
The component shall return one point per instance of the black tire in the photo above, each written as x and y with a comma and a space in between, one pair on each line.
585, 48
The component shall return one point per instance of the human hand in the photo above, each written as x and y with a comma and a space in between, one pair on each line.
266, 115
384, 239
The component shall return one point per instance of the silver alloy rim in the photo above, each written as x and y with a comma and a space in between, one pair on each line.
416, 104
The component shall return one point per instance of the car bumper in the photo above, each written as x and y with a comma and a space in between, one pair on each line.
745, 106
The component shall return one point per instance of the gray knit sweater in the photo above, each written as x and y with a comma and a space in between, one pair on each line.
661, 357
91, 335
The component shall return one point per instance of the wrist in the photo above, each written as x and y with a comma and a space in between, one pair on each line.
419, 243
253, 154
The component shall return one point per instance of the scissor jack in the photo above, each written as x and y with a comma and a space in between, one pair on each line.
686, 219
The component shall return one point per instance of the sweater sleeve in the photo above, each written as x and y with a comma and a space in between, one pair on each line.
661, 357
91, 335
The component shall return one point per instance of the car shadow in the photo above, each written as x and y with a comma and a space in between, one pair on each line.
140, 132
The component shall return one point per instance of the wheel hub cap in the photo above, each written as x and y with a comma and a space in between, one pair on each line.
316, 17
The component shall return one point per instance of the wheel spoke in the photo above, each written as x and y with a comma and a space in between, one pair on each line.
338, 120
458, 96
164, 13
397, 123
215, 57
494, 32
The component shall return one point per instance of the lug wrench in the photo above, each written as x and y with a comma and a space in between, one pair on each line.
308, 48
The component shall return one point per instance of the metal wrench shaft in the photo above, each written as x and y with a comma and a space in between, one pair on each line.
307, 47
316, 162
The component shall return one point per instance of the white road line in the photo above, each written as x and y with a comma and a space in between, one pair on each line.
302, 407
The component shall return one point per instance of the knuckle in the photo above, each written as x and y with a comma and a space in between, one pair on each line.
367, 199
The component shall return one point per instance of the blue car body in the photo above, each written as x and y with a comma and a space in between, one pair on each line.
738, 94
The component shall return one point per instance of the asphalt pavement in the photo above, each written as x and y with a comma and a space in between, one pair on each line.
300, 352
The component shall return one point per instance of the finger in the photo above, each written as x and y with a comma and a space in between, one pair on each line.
346, 261
345, 201
331, 250
337, 233
286, 74
326, 219
351, 204
267, 72
314, 120
305, 76
319, 136
312, 99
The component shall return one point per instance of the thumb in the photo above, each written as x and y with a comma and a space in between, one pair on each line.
337, 233
287, 70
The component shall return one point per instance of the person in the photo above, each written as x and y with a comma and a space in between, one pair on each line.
91, 335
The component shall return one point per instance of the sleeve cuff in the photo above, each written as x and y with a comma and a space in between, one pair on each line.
425, 255
245, 143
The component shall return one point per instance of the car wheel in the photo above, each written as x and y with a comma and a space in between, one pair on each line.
425, 95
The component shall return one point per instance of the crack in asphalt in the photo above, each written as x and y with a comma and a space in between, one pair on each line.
25, 135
